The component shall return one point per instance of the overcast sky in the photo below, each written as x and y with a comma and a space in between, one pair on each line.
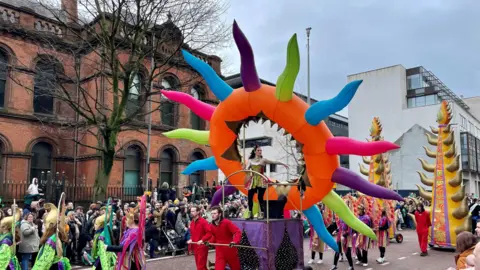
351, 36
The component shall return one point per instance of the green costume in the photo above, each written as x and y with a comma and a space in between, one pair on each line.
8, 260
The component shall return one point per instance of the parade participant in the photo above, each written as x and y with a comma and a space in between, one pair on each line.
50, 255
200, 233
316, 244
363, 240
103, 259
224, 232
8, 239
338, 255
255, 183
131, 254
347, 245
382, 235
423, 221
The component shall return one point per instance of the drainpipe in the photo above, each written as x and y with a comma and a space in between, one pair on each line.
77, 117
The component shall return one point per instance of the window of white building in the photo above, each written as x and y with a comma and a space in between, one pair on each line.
463, 123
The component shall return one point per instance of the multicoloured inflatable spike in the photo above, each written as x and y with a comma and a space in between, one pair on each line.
207, 164
202, 109
322, 109
449, 213
303, 122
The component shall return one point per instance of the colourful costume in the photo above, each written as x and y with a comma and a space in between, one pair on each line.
51, 253
103, 259
8, 260
364, 241
131, 255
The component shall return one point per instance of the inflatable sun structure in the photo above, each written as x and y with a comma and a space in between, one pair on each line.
279, 105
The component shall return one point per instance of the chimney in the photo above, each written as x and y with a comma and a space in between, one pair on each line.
70, 9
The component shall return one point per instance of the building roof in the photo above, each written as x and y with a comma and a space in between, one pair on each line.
34, 6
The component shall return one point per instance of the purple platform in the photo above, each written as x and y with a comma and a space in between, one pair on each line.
283, 239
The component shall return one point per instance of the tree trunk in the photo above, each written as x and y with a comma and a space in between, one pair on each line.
103, 175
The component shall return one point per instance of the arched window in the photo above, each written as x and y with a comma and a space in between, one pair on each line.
167, 108
45, 85
3, 76
197, 177
167, 168
135, 102
133, 165
197, 122
41, 160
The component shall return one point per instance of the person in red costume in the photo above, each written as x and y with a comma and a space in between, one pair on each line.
423, 221
199, 233
224, 232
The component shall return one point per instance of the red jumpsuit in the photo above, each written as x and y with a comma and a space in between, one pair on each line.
225, 233
423, 223
200, 230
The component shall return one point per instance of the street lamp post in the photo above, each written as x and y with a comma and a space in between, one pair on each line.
308, 64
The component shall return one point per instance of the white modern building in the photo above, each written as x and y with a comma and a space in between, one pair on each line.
277, 146
407, 102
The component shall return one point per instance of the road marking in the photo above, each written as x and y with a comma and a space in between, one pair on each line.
402, 258
369, 269
385, 263
415, 253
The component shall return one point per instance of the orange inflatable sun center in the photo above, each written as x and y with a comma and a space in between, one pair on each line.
242, 107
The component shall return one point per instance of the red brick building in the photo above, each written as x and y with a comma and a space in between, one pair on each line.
27, 148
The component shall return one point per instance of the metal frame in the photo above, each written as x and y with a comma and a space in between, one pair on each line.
267, 207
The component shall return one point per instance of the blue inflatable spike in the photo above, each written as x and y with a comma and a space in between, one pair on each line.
219, 88
322, 109
315, 217
207, 164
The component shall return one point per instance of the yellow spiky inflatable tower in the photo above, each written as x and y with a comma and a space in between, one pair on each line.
378, 172
449, 211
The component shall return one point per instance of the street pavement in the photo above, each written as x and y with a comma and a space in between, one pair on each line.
399, 256
404, 256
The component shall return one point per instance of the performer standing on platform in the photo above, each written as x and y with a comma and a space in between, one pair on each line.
363, 240
382, 235
200, 232
255, 183
422, 218
224, 232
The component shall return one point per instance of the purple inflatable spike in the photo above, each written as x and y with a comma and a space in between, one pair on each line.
352, 180
217, 197
248, 71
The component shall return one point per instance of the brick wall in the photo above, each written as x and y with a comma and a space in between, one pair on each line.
20, 129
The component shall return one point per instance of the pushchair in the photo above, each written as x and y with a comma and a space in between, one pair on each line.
174, 244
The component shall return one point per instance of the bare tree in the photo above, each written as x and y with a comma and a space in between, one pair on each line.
100, 71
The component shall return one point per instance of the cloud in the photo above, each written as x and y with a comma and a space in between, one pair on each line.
351, 36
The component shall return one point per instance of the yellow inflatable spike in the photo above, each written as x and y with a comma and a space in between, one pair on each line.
424, 194
427, 166
430, 153
363, 170
431, 139
425, 180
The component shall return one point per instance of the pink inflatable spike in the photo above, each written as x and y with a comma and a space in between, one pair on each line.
202, 109
348, 146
